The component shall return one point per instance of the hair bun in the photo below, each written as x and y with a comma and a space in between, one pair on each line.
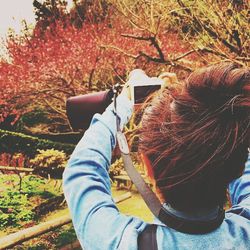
221, 88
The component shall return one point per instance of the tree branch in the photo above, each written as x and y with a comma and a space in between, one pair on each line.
151, 39
141, 38
55, 109
209, 30
202, 50
120, 50
42, 8
246, 59
157, 46
150, 58
93, 70
57, 134
174, 62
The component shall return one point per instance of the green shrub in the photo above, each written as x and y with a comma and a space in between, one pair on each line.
35, 117
4, 219
11, 142
66, 237
116, 168
39, 246
14, 208
50, 158
32, 119
32, 185
49, 162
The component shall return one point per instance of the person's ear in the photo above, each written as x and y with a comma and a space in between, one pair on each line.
150, 175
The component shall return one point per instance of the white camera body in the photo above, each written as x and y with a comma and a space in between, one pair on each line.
142, 86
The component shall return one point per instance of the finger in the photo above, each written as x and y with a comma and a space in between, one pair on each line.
169, 77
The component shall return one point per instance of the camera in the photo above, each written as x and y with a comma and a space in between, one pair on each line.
80, 109
141, 86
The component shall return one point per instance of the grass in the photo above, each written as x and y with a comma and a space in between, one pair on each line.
31, 185
134, 206
57, 238
15, 206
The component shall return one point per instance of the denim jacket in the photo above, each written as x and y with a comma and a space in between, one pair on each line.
96, 219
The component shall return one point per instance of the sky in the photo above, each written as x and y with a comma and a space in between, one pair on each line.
12, 12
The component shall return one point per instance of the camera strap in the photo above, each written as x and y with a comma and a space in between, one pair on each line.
147, 194
152, 201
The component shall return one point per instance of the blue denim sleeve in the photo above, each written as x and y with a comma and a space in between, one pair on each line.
239, 191
96, 219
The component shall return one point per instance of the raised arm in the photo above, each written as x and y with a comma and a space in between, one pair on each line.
96, 219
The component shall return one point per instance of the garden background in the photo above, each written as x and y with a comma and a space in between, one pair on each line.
85, 48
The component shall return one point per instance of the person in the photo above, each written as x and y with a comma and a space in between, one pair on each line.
195, 141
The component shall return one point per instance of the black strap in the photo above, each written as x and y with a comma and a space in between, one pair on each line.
191, 226
147, 238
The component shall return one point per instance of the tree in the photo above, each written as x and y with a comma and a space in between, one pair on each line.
50, 11
218, 28
46, 68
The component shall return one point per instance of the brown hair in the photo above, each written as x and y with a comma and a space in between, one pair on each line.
196, 137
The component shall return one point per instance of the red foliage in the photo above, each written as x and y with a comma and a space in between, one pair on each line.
71, 55
17, 160
5, 159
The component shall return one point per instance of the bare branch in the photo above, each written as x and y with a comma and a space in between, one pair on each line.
141, 38
202, 50
209, 30
157, 46
153, 41
79, 10
150, 58
246, 59
55, 109
93, 69
120, 50
57, 134
173, 62
131, 15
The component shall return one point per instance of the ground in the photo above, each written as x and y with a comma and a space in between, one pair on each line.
64, 236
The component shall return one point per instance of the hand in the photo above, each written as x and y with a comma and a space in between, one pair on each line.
169, 79
126, 91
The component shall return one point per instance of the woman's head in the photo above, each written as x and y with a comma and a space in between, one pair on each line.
196, 137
